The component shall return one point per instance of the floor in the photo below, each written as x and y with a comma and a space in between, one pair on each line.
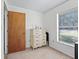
40, 53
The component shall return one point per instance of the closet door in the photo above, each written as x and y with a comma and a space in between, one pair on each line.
16, 31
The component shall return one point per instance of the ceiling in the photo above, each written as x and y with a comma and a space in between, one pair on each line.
37, 5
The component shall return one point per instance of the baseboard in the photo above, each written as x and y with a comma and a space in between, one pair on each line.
62, 52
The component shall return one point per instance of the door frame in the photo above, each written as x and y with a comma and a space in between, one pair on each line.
5, 29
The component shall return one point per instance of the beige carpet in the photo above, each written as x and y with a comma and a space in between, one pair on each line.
40, 53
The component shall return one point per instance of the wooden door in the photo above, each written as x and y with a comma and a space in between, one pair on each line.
16, 31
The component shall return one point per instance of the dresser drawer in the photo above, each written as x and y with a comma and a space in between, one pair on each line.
43, 42
36, 41
36, 45
38, 35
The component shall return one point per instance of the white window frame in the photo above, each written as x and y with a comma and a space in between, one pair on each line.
61, 42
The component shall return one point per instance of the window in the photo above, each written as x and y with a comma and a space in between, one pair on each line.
68, 26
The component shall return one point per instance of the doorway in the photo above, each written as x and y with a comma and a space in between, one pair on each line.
16, 31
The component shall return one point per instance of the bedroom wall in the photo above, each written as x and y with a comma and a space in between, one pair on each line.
2, 30
50, 24
33, 19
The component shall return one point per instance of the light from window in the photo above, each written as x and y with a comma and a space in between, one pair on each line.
68, 27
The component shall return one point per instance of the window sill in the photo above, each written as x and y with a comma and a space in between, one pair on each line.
71, 45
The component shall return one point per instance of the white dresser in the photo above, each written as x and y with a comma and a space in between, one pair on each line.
38, 38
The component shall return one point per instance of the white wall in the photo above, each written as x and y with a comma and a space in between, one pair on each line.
33, 19
2, 31
50, 24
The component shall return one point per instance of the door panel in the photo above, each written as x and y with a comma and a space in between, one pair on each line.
21, 27
16, 31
